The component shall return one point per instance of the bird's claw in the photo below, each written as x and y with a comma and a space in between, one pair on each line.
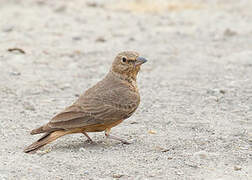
89, 141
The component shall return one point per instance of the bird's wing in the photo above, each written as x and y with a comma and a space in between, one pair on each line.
91, 111
104, 106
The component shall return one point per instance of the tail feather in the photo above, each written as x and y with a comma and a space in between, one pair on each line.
43, 129
38, 130
45, 139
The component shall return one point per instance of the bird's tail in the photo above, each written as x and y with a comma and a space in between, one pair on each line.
45, 139
43, 129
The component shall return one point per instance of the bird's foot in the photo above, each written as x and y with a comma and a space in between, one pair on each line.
118, 139
89, 141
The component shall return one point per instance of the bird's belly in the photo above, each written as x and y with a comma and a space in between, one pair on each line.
100, 127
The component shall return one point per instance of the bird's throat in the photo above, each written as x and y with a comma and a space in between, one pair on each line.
130, 78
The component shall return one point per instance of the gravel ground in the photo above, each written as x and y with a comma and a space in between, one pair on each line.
195, 117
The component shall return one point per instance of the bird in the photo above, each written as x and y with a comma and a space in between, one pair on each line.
100, 108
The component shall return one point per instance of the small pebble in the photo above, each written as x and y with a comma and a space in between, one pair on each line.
28, 106
60, 9
237, 168
118, 175
8, 29
201, 154
65, 86
76, 38
15, 73
100, 39
151, 132
91, 4
43, 152
229, 33
82, 149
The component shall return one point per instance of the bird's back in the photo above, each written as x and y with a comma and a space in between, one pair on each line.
115, 92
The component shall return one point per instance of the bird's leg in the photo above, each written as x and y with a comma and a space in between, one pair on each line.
107, 131
89, 139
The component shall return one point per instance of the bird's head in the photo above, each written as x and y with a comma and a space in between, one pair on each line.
127, 64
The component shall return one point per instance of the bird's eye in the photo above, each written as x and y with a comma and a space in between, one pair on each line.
124, 59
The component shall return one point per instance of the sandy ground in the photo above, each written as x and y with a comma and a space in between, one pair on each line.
194, 121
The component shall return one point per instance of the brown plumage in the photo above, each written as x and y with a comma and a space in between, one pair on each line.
101, 107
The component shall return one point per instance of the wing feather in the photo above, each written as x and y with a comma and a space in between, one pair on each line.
95, 110
100, 114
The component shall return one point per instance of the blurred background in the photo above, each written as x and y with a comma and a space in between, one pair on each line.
194, 121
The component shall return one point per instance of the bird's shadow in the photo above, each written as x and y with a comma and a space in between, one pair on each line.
75, 147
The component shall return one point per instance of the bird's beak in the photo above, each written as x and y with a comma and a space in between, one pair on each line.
140, 60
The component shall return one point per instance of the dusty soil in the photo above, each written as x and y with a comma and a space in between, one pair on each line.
195, 118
